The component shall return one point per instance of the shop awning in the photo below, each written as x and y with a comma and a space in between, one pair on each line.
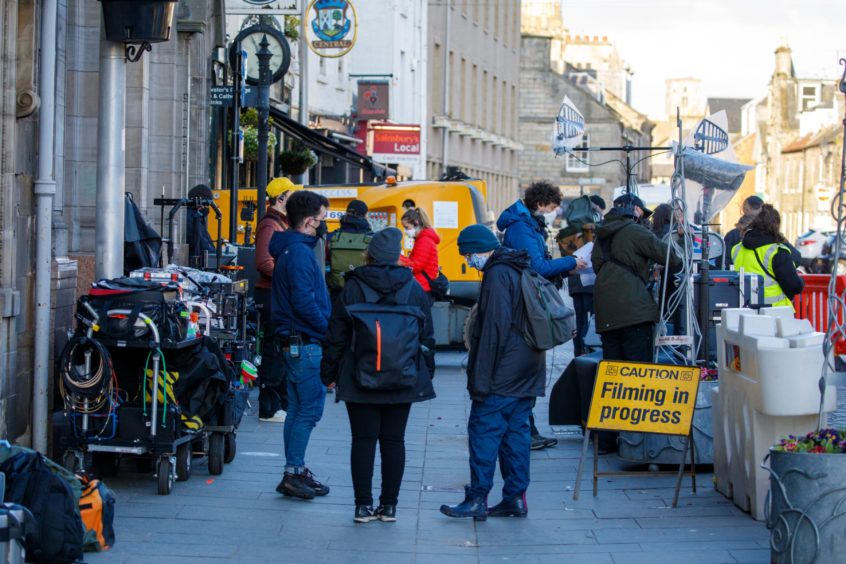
325, 145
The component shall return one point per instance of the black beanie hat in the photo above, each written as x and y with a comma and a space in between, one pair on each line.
600, 203
357, 207
384, 247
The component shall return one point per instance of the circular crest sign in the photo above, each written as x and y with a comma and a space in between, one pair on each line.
331, 27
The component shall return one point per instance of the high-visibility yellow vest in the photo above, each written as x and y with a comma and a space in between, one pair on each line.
745, 258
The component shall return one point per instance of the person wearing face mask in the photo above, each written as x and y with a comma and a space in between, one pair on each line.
524, 225
423, 258
300, 314
504, 376
273, 394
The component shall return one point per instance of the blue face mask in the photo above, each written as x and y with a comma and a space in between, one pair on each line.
477, 261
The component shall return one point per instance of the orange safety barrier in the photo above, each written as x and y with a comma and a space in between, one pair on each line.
812, 304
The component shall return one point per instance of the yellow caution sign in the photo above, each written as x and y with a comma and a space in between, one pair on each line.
645, 398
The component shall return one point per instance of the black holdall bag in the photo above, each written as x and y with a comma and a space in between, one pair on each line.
119, 302
386, 339
439, 286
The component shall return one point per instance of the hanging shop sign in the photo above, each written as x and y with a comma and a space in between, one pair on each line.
263, 7
331, 27
396, 144
373, 100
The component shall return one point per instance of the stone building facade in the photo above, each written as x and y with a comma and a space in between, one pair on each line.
609, 123
477, 65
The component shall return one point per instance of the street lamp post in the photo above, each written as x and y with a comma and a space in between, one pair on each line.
263, 56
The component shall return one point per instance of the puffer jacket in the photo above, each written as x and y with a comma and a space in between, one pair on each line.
501, 362
524, 232
338, 362
620, 295
424, 257
272, 222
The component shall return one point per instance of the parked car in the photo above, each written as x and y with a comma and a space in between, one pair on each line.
823, 264
811, 246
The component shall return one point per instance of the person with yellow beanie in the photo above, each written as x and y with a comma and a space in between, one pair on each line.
273, 396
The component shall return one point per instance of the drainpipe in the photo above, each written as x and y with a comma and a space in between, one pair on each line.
111, 139
45, 189
446, 85
302, 53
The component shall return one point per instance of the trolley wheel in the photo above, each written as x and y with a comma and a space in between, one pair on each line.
106, 464
164, 473
229, 447
216, 453
69, 461
183, 462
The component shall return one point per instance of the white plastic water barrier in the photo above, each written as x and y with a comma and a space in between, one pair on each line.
770, 365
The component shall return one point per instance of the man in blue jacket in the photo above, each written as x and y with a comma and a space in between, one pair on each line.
300, 312
524, 225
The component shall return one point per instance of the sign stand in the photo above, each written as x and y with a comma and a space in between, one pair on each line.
608, 401
688, 446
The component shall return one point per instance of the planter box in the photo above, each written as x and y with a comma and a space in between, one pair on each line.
806, 507
667, 449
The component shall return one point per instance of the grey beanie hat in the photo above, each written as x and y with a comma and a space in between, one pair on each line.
385, 246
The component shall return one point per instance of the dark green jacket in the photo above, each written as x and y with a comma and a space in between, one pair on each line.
620, 297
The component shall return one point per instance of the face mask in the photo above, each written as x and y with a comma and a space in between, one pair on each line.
477, 261
321, 230
411, 232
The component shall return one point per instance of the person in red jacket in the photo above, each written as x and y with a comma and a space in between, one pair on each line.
423, 259
273, 396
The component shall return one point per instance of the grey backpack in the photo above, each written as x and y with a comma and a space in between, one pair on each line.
547, 322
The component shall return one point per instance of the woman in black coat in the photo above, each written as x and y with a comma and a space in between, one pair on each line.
377, 414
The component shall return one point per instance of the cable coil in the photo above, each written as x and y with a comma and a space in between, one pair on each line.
86, 391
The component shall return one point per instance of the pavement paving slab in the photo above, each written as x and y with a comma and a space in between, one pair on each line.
238, 517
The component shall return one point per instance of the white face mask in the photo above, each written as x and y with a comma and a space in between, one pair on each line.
412, 232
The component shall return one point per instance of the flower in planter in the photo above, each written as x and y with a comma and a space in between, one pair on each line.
297, 160
824, 441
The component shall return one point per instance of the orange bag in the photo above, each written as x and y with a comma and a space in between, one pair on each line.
97, 508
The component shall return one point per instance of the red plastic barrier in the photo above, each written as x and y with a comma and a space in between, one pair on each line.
812, 304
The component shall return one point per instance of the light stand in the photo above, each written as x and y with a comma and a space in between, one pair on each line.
263, 56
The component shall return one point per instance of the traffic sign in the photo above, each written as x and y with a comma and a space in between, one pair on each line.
222, 96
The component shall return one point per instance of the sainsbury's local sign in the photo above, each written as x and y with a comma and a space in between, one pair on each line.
396, 144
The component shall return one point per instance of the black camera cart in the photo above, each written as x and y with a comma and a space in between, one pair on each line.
133, 431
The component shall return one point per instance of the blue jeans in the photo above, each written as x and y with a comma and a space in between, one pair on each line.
499, 428
306, 396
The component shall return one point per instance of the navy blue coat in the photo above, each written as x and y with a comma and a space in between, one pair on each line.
523, 232
299, 299
501, 362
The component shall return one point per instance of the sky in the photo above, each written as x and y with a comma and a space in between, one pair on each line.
728, 44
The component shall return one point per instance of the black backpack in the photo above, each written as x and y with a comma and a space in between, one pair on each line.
547, 320
386, 339
57, 533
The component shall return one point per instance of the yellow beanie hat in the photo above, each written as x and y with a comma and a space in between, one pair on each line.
279, 186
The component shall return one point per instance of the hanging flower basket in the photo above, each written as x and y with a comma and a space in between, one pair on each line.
297, 161
806, 508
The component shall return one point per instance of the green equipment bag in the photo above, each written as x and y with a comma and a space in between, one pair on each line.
580, 211
346, 253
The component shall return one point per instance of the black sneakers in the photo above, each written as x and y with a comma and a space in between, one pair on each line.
386, 513
364, 514
319, 489
539, 442
295, 485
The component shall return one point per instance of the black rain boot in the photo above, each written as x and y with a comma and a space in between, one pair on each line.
475, 507
514, 507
